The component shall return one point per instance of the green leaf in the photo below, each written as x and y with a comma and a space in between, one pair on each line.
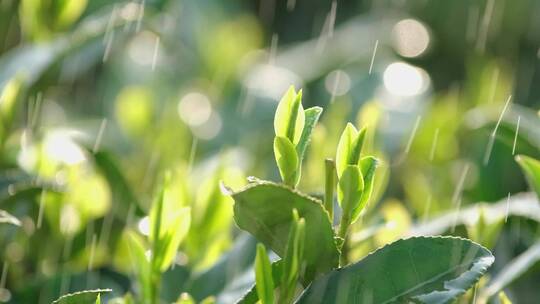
289, 119
252, 297
286, 159
33, 60
264, 209
169, 224
98, 299
356, 148
6, 218
531, 168
513, 270
292, 263
263, 276
9, 97
137, 257
415, 270
351, 186
368, 166
81, 297
349, 148
312, 117
344, 147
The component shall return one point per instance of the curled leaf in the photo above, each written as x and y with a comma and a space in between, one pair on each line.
290, 117
286, 159
368, 166
350, 189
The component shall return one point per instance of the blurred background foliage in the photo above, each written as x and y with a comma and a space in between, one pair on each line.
100, 98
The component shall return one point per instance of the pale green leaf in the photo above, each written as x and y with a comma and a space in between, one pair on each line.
350, 188
263, 276
286, 159
368, 166
251, 297
417, 270
169, 224
174, 230
140, 262
289, 119
348, 137
292, 262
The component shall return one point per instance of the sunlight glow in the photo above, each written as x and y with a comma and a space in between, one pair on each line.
194, 109
60, 147
410, 38
337, 83
403, 79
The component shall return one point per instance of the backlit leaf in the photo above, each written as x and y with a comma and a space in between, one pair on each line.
290, 118
263, 276
264, 209
350, 188
287, 160
416, 270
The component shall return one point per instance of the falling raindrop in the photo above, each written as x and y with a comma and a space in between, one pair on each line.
413, 134
373, 56
434, 145
516, 136
493, 134
507, 207
99, 136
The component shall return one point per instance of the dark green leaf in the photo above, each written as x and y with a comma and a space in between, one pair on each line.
416, 270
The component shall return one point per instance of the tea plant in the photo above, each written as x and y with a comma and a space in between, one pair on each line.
298, 228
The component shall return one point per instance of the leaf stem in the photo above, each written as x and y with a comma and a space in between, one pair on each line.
342, 234
329, 186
